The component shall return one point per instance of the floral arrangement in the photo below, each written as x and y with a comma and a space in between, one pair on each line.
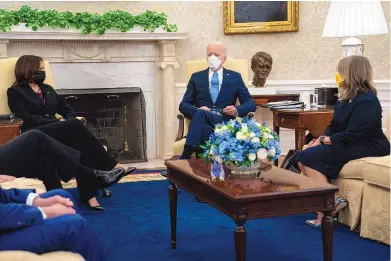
241, 142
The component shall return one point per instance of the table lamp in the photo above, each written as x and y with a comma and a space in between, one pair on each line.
354, 18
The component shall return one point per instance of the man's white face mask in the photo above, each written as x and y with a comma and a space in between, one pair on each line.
213, 62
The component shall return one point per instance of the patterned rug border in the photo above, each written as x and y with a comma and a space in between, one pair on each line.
131, 178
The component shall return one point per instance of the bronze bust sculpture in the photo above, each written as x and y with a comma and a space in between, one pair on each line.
261, 64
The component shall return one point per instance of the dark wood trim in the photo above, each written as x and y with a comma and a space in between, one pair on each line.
181, 127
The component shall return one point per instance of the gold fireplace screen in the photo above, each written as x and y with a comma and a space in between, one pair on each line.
243, 17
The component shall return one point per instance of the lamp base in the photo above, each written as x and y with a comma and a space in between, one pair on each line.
352, 46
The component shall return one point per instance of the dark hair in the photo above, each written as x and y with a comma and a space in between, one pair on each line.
26, 67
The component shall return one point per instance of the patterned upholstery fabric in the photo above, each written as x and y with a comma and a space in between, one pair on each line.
375, 215
352, 190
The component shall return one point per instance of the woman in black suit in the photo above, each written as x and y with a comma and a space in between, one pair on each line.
37, 103
354, 132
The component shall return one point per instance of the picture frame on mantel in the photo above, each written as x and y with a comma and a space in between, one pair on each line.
245, 17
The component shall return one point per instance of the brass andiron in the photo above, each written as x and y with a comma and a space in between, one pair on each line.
126, 145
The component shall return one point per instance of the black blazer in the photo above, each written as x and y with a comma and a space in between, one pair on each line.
28, 106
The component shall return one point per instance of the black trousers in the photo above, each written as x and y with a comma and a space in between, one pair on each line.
74, 134
36, 155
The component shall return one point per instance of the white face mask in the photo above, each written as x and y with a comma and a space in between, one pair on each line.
213, 62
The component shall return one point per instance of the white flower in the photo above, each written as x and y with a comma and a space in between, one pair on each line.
270, 137
224, 128
265, 136
255, 140
258, 125
252, 156
271, 152
267, 130
244, 127
240, 135
218, 159
211, 150
252, 135
262, 154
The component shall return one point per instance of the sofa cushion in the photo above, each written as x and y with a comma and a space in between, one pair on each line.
377, 171
353, 169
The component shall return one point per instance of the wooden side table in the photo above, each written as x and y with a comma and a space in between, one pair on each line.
301, 120
9, 130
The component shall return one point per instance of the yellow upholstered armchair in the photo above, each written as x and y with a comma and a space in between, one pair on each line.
7, 79
238, 65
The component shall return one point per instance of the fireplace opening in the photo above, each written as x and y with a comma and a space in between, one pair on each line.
117, 118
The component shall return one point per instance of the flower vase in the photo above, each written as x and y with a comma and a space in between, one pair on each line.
253, 169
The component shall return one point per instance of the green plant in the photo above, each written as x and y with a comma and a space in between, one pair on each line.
84, 21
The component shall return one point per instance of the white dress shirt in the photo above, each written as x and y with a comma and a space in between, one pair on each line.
219, 73
30, 200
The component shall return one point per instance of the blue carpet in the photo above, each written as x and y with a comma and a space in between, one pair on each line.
135, 226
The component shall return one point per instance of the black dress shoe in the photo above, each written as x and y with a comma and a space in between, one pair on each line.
110, 177
164, 174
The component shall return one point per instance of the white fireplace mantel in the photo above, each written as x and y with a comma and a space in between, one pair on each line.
75, 36
135, 47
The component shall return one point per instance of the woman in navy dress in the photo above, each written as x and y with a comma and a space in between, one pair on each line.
354, 132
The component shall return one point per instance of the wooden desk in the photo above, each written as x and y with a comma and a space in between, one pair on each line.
266, 98
275, 192
9, 130
301, 120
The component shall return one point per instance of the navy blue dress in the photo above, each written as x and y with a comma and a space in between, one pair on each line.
355, 132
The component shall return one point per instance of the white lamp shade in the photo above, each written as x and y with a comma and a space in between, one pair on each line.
355, 19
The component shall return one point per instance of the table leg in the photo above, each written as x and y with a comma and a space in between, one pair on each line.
276, 129
299, 138
240, 240
173, 195
327, 236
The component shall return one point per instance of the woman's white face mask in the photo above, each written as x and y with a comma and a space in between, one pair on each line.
213, 63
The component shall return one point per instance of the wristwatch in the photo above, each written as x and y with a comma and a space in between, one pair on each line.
321, 140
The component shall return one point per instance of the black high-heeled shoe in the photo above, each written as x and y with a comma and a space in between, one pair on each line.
97, 208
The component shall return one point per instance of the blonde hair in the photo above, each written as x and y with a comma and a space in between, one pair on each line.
356, 72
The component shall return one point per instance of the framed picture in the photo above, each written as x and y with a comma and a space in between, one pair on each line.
242, 17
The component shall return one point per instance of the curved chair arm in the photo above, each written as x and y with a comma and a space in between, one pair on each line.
181, 127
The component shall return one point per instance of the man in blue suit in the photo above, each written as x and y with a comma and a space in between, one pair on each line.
210, 99
45, 223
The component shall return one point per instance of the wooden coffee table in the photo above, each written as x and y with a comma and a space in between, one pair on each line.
275, 192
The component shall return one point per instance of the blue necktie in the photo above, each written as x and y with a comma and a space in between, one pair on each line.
214, 87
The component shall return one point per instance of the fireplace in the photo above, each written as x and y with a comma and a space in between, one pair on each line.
116, 117
113, 60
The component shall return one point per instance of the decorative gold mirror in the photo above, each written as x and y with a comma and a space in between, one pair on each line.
243, 17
